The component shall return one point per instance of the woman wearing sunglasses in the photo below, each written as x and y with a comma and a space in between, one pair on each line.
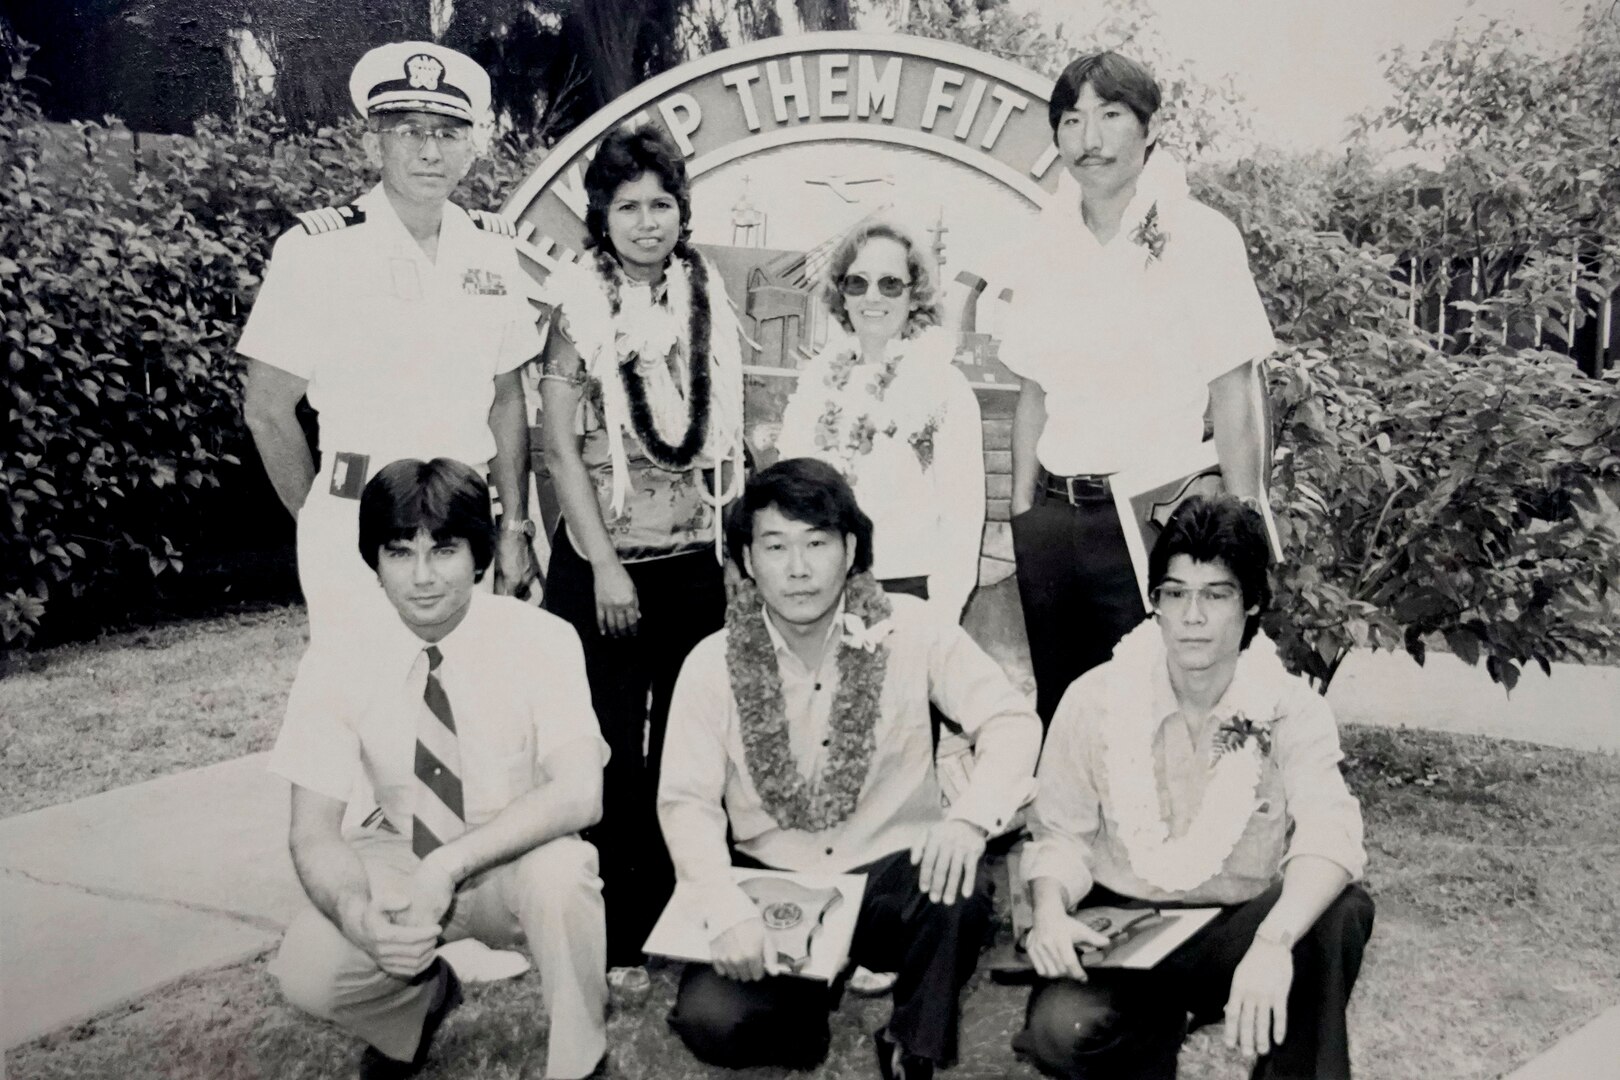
884, 405
642, 391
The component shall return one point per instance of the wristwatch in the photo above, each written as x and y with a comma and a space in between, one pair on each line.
524, 526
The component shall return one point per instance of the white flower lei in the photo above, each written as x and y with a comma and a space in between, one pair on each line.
910, 404
650, 331
1181, 863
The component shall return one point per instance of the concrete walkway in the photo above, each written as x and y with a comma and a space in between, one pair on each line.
1576, 707
111, 897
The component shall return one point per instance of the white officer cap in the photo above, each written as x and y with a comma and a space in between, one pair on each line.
419, 76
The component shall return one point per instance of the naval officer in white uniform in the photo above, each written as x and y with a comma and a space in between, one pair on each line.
402, 317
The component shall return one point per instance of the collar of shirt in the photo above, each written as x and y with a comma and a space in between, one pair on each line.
656, 294
1163, 182
402, 650
784, 651
1245, 686
455, 229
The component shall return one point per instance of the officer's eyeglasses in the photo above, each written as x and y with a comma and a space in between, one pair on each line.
445, 138
888, 285
1175, 599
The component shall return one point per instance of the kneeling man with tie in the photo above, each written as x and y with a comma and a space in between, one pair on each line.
471, 717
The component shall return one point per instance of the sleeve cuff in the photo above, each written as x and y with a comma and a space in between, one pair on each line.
1352, 857
1041, 861
991, 811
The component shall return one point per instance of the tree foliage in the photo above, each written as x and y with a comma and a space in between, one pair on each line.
1446, 487
1200, 115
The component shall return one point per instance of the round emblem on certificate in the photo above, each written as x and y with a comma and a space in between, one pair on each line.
783, 915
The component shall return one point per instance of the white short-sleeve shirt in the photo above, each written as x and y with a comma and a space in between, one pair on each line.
400, 351
515, 679
1125, 342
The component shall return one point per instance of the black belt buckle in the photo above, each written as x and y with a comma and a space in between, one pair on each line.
349, 474
1079, 489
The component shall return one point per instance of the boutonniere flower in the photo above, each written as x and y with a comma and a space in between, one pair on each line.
1150, 235
860, 636
1238, 732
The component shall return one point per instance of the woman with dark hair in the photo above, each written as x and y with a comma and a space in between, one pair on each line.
642, 391
883, 404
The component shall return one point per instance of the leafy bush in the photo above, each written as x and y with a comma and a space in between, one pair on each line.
1420, 490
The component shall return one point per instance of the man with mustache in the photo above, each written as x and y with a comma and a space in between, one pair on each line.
1144, 315
402, 317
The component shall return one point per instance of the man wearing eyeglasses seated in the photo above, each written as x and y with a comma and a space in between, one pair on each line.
1193, 770
402, 317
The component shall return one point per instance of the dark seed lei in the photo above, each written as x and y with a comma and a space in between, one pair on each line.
663, 454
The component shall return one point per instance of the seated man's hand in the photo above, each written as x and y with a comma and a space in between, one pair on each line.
947, 860
1053, 945
432, 890
1257, 1010
402, 949
739, 953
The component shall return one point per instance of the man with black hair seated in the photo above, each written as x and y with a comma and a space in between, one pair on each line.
804, 728
1193, 770
470, 716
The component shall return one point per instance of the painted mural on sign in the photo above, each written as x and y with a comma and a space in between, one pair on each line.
791, 142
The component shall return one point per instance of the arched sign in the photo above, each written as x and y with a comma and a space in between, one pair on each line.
790, 142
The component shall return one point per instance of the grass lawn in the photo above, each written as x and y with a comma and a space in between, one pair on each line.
82, 719
1495, 865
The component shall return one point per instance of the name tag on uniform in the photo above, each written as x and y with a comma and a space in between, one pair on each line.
479, 282
407, 286
349, 474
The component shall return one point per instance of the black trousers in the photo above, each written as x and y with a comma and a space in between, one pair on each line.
682, 600
1078, 591
1129, 1025
782, 1020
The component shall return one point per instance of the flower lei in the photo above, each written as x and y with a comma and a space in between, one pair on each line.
756, 684
855, 440
1150, 235
1181, 863
658, 341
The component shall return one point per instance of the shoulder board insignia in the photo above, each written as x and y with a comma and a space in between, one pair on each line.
495, 223
330, 218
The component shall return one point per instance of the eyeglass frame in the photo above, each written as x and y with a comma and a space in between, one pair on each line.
414, 138
1205, 595
882, 288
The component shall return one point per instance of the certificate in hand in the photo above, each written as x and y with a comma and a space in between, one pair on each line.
1138, 939
809, 920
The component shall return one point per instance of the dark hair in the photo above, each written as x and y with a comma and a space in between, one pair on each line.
1114, 78
920, 268
622, 158
443, 497
807, 490
1219, 529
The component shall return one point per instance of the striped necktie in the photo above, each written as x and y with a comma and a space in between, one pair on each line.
440, 815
